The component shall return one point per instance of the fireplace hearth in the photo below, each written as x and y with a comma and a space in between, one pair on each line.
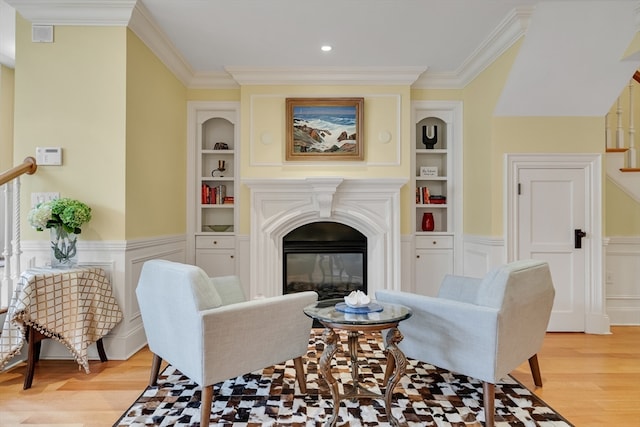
327, 257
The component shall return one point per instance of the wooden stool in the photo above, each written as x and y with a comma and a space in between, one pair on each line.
34, 338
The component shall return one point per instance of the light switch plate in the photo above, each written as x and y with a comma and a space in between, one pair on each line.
43, 197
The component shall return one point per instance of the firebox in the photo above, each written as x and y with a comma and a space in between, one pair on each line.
327, 257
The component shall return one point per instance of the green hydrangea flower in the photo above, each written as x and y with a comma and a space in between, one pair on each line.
69, 213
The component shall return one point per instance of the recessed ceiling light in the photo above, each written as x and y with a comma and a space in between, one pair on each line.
326, 48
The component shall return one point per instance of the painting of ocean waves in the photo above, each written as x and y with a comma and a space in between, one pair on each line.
324, 129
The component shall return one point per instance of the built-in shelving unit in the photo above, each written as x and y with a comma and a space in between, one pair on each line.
436, 141
213, 164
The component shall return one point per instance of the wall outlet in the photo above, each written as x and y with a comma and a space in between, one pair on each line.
43, 197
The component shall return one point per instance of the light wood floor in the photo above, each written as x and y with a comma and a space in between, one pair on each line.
592, 380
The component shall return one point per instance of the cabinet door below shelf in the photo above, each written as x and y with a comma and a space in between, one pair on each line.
216, 262
431, 267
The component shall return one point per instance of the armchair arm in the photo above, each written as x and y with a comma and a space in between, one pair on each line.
243, 337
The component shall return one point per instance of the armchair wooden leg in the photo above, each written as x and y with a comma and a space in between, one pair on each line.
535, 370
488, 395
300, 375
155, 370
205, 405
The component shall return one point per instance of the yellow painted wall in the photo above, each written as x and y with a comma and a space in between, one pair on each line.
6, 118
155, 146
263, 133
623, 213
72, 94
482, 198
538, 135
213, 94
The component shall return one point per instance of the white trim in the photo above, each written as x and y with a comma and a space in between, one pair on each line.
452, 113
509, 31
596, 320
370, 140
123, 260
143, 25
75, 12
325, 75
372, 206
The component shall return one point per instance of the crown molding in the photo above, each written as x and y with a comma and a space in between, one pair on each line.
75, 12
145, 27
219, 80
510, 29
326, 75
134, 15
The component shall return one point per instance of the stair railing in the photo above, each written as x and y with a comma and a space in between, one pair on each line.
10, 186
618, 145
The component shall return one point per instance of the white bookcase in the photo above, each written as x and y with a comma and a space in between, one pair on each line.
212, 167
437, 181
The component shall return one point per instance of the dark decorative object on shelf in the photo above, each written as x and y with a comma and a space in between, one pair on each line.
430, 141
221, 168
428, 223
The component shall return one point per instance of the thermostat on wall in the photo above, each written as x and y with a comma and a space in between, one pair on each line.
49, 156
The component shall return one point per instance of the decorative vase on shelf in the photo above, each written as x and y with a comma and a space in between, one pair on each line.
63, 248
430, 136
428, 223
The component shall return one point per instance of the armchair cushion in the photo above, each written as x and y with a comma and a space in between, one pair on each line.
229, 289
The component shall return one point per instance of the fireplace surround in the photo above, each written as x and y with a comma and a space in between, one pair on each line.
369, 205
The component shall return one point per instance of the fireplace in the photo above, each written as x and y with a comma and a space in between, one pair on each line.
280, 205
327, 257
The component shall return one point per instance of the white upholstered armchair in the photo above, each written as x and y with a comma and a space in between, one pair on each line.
482, 328
204, 327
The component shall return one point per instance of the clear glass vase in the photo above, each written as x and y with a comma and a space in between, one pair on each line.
63, 248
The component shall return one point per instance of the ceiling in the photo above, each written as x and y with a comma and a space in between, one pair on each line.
569, 46
436, 34
215, 38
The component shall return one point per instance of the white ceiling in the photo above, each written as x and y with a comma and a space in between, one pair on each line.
423, 43
438, 34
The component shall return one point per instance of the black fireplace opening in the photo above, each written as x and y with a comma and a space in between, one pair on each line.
327, 257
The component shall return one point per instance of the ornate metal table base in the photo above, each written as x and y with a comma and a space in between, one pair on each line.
396, 365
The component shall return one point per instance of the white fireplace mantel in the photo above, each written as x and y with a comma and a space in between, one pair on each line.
371, 206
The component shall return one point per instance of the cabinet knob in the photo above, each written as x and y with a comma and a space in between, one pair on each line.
435, 242
215, 242
231, 256
417, 256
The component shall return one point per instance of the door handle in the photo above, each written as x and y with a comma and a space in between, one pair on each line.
578, 234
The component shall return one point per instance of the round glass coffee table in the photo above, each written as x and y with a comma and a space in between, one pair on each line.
376, 317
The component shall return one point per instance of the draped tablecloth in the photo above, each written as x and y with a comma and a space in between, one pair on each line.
73, 306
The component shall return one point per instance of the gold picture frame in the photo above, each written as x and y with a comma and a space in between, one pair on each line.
321, 129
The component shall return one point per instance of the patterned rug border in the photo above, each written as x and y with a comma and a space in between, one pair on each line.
233, 393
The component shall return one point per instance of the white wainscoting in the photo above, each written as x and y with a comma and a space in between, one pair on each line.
622, 280
480, 254
122, 260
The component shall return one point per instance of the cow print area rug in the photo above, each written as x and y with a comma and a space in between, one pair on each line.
425, 396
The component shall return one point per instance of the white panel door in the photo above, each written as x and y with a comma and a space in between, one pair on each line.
552, 204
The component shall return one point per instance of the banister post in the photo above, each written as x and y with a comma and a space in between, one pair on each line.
631, 153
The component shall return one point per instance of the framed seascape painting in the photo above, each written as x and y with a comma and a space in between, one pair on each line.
325, 129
